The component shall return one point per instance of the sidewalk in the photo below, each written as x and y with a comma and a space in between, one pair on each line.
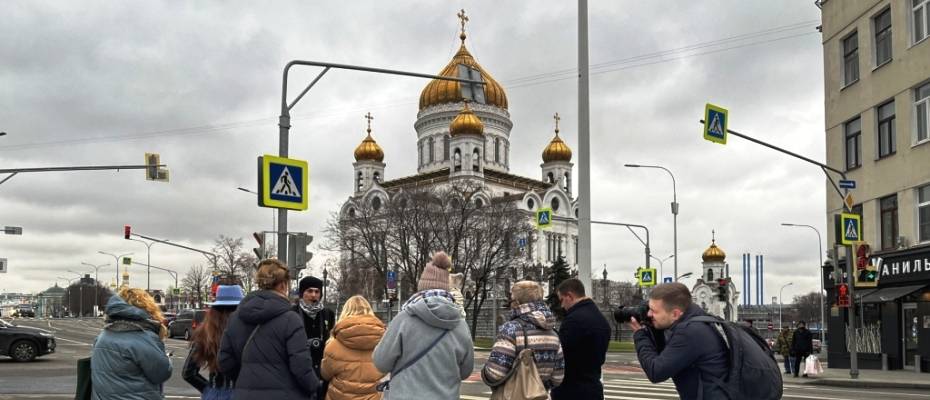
868, 378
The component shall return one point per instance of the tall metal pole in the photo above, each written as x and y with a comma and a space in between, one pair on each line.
584, 152
674, 208
781, 303
853, 347
823, 321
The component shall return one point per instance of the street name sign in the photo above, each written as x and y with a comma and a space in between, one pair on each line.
847, 184
715, 123
647, 277
543, 217
283, 183
850, 229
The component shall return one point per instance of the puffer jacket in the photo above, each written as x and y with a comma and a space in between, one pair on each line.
347, 363
128, 359
783, 344
536, 321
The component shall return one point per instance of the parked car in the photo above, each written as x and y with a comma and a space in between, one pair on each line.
169, 318
185, 323
23, 343
25, 311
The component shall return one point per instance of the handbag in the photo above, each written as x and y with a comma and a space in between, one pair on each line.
386, 385
523, 381
84, 383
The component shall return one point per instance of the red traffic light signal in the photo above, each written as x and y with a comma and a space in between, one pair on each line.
127, 230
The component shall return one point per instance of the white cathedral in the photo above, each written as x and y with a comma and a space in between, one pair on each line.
707, 290
463, 134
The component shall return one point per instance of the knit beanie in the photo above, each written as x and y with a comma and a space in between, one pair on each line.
436, 273
309, 282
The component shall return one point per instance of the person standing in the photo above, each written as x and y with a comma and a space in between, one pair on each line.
584, 335
783, 347
128, 359
427, 347
347, 364
205, 347
529, 327
318, 321
264, 349
802, 345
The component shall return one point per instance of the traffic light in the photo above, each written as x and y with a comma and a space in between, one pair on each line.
260, 250
127, 230
297, 254
866, 272
722, 290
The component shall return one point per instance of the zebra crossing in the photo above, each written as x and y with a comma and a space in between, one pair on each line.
620, 389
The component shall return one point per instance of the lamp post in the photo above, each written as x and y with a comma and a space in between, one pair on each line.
116, 261
674, 207
823, 322
684, 275
173, 273
148, 271
781, 303
662, 263
69, 280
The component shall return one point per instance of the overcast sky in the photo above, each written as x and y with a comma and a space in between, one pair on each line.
101, 83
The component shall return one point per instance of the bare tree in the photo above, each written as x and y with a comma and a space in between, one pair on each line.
808, 306
196, 282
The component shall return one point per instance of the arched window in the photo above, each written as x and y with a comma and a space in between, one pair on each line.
530, 204
566, 185
476, 165
457, 160
497, 150
446, 142
555, 204
430, 151
377, 177
710, 275
376, 203
359, 181
550, 178
478, 203
352, 212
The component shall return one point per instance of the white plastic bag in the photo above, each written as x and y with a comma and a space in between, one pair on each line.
812, 366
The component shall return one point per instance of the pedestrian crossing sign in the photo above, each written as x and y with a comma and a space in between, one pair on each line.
715, 123
647, 277
282, 183
851, 228
543, 218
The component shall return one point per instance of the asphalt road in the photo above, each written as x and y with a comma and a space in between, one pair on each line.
54, 376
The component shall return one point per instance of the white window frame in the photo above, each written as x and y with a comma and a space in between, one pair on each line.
924, 9
926, 203
876, 64
916, 140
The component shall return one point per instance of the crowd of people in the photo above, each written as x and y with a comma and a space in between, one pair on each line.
265, 346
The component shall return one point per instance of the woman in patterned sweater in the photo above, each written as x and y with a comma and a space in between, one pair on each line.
529, 316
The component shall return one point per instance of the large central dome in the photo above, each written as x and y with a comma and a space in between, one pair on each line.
463, 65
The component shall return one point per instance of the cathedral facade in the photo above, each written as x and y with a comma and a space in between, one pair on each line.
714, 290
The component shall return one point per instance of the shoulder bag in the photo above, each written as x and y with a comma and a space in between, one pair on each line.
523, 381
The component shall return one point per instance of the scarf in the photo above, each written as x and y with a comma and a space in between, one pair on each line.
310, 309
427, 293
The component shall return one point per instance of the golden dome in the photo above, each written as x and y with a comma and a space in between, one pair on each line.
713, 253
466, 123
369, 150
557, 150
442, 91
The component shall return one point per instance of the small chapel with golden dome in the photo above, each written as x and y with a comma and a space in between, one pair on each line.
463, 133
714, 290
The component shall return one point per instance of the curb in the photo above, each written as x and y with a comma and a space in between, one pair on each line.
868, 384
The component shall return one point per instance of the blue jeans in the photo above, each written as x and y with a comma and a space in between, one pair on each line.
795, 364
788, 364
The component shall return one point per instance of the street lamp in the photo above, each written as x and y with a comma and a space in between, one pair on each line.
148, 271
684, 275
96, 284
116, 260
781, 303
662, 263
674, 207
823, 322
69, 280
274, 222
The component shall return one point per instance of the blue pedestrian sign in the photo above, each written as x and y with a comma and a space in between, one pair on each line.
521, 242
282, 183
667, 279
851, 228
543, 217
847, 184
647, 277
392, 280
715, 123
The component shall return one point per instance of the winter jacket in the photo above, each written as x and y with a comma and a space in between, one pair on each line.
347, 361
693, 353
439, 373
319, 327
128, 359
535, 321
277, 363
783, 343
584, 334
802, 342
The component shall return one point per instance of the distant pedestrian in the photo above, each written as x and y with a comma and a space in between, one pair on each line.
802, 345
783, 347
205, 347
347, 364
318, 321
427, 348
455, 285
529, 327
264, 349
128, 359
584, 335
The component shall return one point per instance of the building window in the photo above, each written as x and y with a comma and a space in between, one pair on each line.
923, 214
889, 221
922, 112
882, 24
446, 143
560, 240
920, 18
377, 177
853, 143
376, 203
476, 164
550, 178
359, 181
530, 204
497, 150
457, 160
886, 131
430, 151
851, 58
555, 204
575, 247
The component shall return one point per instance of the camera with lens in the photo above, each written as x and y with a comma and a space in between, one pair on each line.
315, 343
639, 311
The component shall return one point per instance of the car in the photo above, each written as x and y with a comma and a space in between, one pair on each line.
25, 311
185, 323
169, 318
23, 343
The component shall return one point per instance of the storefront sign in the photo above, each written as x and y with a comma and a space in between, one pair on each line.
904, 267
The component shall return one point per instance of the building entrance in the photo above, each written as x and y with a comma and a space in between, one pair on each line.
910, 333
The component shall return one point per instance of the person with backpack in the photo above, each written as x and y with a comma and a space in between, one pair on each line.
264, 349
802, 345
205, 347
347, 364
427, 347
694, 354
530, 327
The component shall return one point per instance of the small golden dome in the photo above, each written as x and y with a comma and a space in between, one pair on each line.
557, 150
442, 91
369, 150
466, 123
713, 253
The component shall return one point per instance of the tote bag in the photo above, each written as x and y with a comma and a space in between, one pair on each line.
524, 382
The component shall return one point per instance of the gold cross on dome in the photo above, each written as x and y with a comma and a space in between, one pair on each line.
463, 20
557, 119
369, 118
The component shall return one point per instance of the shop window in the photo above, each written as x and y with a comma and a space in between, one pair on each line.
889, 221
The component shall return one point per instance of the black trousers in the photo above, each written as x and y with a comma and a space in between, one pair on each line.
797, 361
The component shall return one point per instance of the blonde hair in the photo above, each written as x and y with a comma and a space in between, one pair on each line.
270, 274
526, 292
141, 299
356, 305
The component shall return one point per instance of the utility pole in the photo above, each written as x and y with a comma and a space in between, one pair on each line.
584, 151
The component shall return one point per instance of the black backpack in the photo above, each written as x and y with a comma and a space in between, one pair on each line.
754, 373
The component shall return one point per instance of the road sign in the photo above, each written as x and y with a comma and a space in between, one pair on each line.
543, 217
715, 123
392, 280
647, 277
283, 183
849, 202
2, 265
667, 279
847, 184
851, 228
13, 230
521, 242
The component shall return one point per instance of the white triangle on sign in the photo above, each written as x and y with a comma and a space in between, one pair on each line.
716, 127
285, 185
851, 231
647, 277
543, 218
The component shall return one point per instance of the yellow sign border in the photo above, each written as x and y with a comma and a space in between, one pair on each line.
843, 218
726, 118
540, 211
267, 183
639, 277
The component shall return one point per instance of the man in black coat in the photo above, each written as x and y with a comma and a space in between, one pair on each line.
693, 352
802, 345
318, 321
584, 334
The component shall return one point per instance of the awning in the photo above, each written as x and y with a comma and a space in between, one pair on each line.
860, 293
891, 293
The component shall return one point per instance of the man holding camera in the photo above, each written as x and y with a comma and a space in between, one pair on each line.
318, 321
669, 345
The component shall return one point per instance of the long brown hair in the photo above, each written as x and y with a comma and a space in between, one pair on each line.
206, 339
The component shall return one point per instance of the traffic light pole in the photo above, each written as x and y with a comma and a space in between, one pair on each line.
14, 171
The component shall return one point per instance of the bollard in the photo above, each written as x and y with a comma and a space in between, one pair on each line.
884, 362
917, 363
